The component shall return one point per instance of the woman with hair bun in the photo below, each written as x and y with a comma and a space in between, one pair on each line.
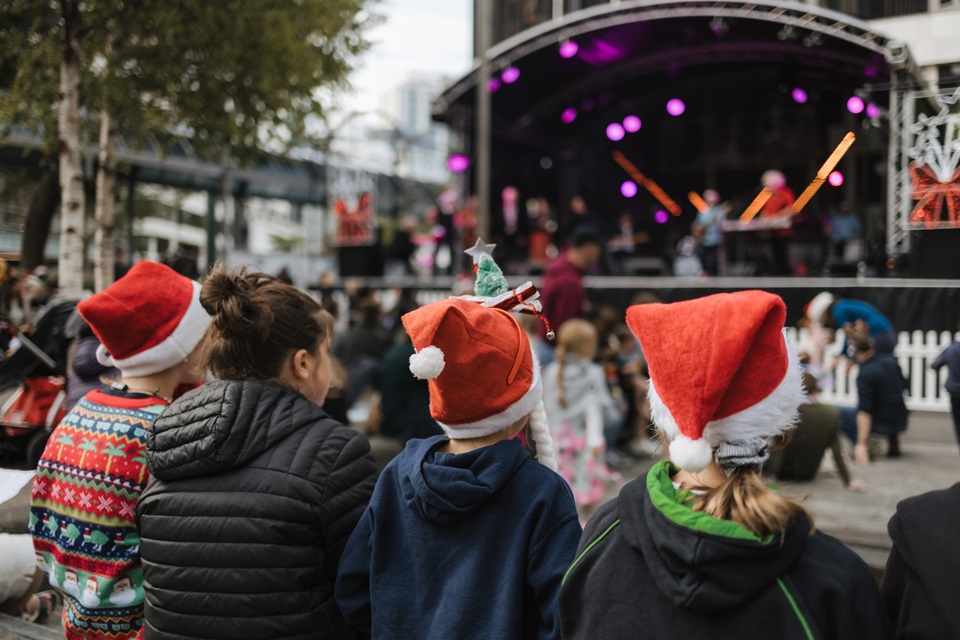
255, 489
699, 547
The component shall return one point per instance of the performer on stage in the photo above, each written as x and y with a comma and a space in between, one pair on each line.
708, 231
780, 204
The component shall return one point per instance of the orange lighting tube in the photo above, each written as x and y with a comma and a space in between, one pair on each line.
756, 205
824, 172
699, 203
647, 183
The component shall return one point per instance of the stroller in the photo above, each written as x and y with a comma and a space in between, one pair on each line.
38, 371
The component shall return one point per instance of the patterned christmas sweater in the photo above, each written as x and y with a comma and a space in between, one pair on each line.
83, 512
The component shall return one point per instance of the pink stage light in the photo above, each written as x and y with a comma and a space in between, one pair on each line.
628, 188
675, 107
493, 85
835, 179
799, 95
510, 75
615, 131
855, 104
661, 217
632, 124
873, 111
569, 49
458, 163
569, 115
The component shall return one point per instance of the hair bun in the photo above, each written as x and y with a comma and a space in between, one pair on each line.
237, 308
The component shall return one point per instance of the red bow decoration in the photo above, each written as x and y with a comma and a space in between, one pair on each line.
931, 194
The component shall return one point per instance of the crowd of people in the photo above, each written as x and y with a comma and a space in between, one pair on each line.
222, 481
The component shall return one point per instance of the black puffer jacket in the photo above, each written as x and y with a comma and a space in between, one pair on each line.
254, 493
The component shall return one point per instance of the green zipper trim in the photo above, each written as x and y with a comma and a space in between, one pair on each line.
796, 609
591, 546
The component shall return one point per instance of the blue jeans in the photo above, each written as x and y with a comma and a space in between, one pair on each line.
848, 424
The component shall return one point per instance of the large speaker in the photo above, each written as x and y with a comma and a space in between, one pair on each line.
361, 261
935, 254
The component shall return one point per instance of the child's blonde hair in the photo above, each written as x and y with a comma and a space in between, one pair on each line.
578, 338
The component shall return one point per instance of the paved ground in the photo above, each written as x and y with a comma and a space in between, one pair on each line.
930, 460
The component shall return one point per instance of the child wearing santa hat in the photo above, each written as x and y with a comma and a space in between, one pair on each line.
699, 547
94, 469
465, 535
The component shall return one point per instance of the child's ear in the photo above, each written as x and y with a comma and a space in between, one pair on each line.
300, 364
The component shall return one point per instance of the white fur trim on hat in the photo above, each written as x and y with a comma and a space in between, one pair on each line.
497, 422
771, 416
819, 305
178, 345
427, 363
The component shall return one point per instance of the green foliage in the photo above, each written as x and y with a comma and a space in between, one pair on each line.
490, 281
232, 76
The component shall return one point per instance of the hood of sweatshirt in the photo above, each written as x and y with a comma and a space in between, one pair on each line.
444, 487
224, 424
700, 563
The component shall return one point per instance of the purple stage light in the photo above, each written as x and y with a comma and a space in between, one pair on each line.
855, 104
632, 124
675, 106
569, 49
873, 111
628, 189
799, 95
615, 131
661, 217
458, 163
835, 179
510, 75
493, 85
569, 115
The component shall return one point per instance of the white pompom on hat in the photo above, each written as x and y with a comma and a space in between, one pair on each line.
721, 369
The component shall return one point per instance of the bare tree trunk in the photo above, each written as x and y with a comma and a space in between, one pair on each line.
106, 202
72, 203
36, 228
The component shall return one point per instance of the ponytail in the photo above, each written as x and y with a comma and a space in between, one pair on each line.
540, 432
744, 499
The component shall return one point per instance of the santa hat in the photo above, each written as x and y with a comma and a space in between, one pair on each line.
147, 321
819, 305
722, 370
483, 374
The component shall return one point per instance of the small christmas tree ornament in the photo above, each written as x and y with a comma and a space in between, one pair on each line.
492, 290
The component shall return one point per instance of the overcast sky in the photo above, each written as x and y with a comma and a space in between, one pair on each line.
432, 36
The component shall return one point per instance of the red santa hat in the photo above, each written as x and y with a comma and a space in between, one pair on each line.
483, 374
147, 321
722, 370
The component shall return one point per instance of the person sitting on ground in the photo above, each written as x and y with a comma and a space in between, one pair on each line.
699, 546
465, 536
880, 408
254, 489
817, 429
922, 576
21, 579
94, 468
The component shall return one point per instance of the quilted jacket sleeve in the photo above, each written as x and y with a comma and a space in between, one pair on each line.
347, 488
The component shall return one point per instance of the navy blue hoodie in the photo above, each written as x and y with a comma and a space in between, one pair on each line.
460, 546
650, 567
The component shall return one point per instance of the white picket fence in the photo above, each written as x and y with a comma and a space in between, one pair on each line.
915, 351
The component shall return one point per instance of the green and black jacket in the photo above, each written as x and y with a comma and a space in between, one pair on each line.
648, 566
